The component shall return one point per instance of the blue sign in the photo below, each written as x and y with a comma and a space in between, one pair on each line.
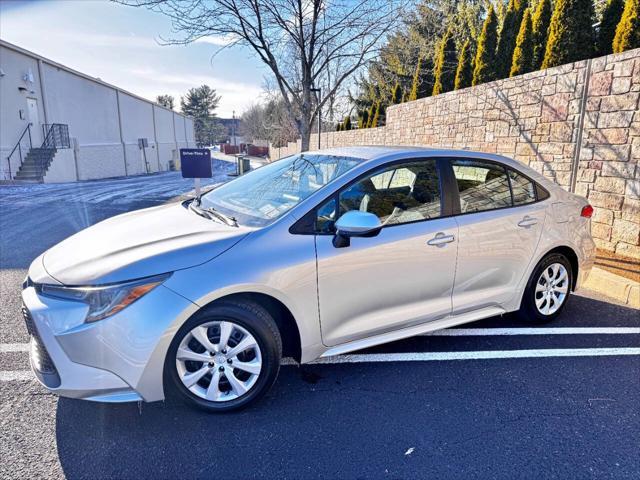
195, 163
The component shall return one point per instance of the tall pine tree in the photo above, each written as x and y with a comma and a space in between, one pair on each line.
611, 16
415, 83
376, 115
484, 69
571, 36
396, 94
508, 34
446, 64
628, 31
464, 73
523, 53
541, 21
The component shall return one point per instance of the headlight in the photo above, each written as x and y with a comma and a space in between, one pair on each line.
107, 300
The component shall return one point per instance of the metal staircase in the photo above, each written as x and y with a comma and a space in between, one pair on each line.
34, 165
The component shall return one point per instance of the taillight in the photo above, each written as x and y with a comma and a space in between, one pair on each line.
586, 211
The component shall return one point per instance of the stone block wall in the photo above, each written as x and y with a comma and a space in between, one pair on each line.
578, 124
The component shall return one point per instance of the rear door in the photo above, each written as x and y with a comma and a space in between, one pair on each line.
499, 226
399, 278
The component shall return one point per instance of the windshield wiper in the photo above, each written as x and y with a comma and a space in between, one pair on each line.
211, 213
231, 221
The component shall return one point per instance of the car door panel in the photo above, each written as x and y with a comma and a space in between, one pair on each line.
383, 283
494, 252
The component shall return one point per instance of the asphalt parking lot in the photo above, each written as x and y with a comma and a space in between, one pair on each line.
493, 399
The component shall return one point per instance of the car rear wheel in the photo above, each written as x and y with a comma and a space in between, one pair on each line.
225, 357
548, 289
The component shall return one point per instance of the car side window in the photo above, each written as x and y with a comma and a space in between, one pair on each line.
524, 190
481, 185
398, 194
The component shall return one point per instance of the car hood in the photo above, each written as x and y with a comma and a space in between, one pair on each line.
139, 244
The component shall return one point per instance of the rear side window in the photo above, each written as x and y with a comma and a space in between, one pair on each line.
481, 185
524, 190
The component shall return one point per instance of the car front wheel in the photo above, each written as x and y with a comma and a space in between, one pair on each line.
226, 357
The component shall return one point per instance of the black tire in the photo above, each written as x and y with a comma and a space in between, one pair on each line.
254, 319
528, 311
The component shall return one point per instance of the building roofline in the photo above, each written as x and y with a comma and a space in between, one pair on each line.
29, 53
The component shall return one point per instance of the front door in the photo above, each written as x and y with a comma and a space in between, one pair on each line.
399, 278
33, 117
499, 227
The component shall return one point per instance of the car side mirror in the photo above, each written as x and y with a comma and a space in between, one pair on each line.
355, 224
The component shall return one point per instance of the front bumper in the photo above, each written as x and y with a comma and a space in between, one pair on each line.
117, 359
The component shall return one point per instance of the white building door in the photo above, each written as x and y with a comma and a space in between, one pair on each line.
34, 118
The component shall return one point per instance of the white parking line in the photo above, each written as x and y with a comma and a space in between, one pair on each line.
475, 355
14, 347
16, 375
461, 332
19, 375
464, 332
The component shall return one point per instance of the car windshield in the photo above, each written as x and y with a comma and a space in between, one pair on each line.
265, 194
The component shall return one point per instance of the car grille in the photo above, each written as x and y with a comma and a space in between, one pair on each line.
40, 357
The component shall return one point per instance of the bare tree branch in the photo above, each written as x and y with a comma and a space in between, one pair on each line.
307, 44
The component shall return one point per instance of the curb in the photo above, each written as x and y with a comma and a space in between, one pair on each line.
614, 286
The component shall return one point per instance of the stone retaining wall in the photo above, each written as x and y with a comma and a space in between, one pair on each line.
587, 141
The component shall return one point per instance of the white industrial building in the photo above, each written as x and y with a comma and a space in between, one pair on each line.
60, 125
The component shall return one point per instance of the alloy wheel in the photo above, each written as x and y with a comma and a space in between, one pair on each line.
219, 361
551, 289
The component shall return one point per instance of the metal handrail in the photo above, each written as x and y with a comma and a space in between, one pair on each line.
19, 147
56, 135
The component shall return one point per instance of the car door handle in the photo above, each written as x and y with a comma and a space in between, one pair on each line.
441, 239
527, 221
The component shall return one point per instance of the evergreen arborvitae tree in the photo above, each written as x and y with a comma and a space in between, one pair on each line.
541, 20
371, 114
484, 69
339, 127
628, 31
446, 63
611, 16
363, 119
346, 124
523, 53
571, 36
376, 115
464, 72
508, 34
415, 84
396, 94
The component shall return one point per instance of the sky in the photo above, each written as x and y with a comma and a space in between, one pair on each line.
121, 45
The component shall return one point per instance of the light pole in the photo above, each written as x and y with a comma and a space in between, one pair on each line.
318, 92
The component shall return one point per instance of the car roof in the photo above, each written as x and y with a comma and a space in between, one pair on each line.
373, 152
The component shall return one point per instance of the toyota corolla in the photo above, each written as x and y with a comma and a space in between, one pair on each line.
318, 254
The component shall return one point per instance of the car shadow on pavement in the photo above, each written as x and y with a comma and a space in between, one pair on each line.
479, 418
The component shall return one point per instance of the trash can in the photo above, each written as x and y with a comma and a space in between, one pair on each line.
244, 165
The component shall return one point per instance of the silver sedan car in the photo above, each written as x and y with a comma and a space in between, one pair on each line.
317, 254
